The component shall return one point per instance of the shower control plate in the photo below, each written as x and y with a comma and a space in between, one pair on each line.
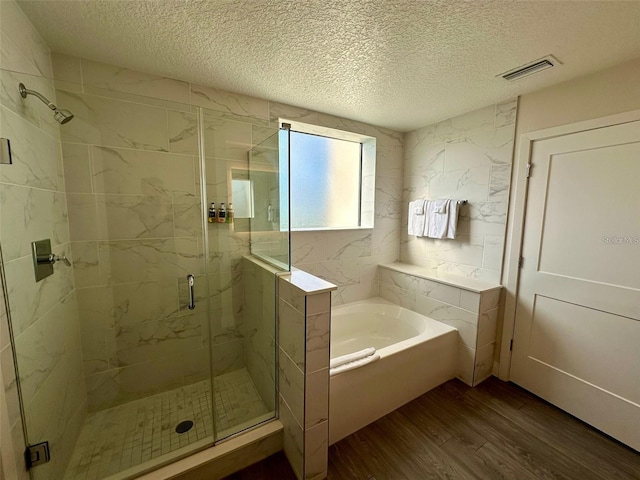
40, 249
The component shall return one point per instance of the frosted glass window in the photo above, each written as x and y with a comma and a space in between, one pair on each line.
326, 182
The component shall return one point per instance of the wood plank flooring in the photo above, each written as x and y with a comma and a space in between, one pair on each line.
493, 431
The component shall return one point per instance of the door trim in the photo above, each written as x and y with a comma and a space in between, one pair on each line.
516, 213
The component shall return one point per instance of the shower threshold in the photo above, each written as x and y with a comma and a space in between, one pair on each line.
119, 442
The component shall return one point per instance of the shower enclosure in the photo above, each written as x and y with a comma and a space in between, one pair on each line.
159, 338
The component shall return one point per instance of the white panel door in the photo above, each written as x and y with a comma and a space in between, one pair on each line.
577, 334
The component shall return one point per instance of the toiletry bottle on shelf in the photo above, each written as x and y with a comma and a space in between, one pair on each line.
222, 214
230, 213
212, 213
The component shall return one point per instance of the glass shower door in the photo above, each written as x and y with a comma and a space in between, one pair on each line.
243, 302
113, 365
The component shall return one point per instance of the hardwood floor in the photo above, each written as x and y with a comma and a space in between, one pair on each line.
493, 431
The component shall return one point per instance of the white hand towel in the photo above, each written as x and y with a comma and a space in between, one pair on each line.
437, 223
351, 365
452, 227
351, 357
416, 221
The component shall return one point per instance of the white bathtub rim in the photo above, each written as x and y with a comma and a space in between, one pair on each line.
395, 348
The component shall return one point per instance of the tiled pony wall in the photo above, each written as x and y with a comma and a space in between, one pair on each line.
33, 207
467, 157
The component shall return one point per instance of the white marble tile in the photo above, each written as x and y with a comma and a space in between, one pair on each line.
288, 112
385, 236
16, 26
471, 184
36, 157
183, 132
388, 197
483, 218
224, 102
466, 364
114, 123
66, 68
466, 249
425, 160
317, 398
292, 439
490, 300
316, 454
317, 341
11, 58
487, 326
32, 110
31, 300
291, 295
111, 77
488, 148
398, 279
389, 162
470, 301
227, 357
86, 266
339, 272
83, 218
464, 321
493, 253
9, 385
46, 343
129, 217
77, 168
506, 113
353, 293
292, 333
308, 247
319, 303
291, 386
40, 214
398, 296
456, 127
150, 259
483, 363
499, 183
124, 171
348, 244
439, 291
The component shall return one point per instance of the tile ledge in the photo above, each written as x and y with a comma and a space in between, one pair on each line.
307, 283
470, 284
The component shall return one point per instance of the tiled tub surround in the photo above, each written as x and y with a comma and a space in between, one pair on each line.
44, 315
469, 305
416, 355
468, 158
304, 317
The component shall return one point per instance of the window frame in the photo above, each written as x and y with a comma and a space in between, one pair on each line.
367, 173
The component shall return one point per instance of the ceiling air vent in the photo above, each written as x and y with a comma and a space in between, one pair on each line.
530, 68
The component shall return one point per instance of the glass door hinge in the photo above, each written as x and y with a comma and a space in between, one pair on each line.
37, 454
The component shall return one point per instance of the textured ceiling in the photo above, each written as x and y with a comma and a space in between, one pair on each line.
402, 64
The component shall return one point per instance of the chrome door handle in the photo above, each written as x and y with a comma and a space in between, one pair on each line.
190, 283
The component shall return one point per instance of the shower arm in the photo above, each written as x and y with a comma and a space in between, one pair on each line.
24, 91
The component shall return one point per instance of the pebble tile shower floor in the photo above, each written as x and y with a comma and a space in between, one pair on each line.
121, 437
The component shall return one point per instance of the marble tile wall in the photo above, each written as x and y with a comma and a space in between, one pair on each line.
44, 315
259, 329
466, 157
349, 258
471, 307
304, 318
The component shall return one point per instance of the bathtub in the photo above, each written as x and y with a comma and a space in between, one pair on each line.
417, 354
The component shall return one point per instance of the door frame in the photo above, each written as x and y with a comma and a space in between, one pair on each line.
516, 218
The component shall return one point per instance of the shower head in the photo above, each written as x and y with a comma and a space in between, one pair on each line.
61, 116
